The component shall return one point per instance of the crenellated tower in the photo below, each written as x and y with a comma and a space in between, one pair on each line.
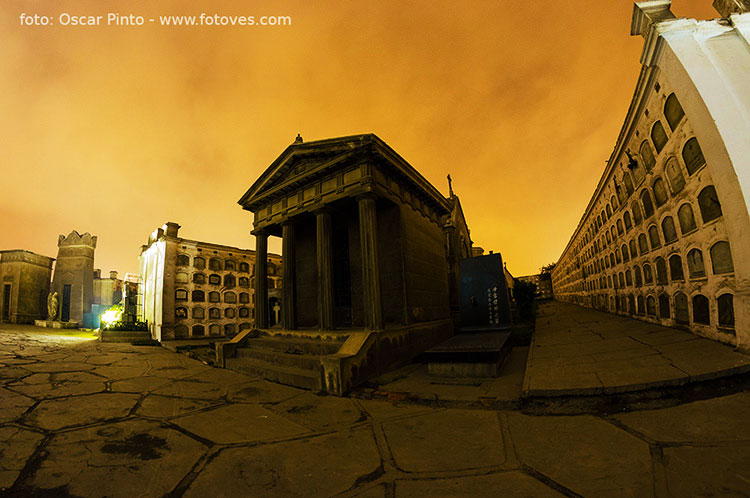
74, 275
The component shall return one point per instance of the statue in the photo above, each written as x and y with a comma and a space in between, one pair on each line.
52, 306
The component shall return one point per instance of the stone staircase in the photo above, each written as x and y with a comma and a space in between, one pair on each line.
141, 336
292, 359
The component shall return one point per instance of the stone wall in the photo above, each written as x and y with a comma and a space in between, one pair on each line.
28, 275
665, 236
426, 267
193, 289
391, 263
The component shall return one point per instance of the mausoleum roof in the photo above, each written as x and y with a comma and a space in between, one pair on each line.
302, 162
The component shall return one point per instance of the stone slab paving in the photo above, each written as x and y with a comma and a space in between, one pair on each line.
414, 383
581, 351
180, 428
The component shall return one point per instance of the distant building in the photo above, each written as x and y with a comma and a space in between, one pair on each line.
74, 276
509, 282
665, 237
192, 289
24, 286
543, 285
107, 291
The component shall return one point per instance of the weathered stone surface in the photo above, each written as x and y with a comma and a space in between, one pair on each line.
382, 410
284, 456
79, 410
139, 384
710, 420
222, 376
121, 370
177, 370
68, 366
239, 423
13, 405
105, 359
415, 380
55, 385
720, 471
165, 407
193, 388
306, 467
584, 454
377, 491
13, 372
446, 440
320, 412
16, 446
132, 458
261, 391
505, 484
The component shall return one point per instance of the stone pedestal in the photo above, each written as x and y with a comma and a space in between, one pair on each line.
54, 324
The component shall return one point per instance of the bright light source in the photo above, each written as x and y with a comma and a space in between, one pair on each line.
112, 315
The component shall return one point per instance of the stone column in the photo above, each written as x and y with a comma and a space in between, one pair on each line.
288, 283
368, 226
325, 269
261, 276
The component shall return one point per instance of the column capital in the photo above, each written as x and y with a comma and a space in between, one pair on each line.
365, 196
323, 209
259, 232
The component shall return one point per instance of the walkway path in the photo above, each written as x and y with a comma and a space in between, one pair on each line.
82, 418
581, 351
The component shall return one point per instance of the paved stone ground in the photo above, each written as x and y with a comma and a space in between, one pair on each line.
581, 351
82, 418
414, 384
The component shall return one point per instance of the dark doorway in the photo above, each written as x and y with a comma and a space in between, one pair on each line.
6, 303
342, 286
65, 311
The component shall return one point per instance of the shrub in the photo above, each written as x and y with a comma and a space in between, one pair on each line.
525, 294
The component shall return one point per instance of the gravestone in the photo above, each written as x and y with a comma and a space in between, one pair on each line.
484, 300
483, 339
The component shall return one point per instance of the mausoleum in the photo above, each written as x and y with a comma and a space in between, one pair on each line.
369, 249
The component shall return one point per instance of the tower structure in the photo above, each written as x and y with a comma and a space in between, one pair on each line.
74, 275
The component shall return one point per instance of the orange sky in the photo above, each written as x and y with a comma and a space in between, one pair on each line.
117, 130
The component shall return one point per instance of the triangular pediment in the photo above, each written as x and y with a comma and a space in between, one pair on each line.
306, 162
299, 160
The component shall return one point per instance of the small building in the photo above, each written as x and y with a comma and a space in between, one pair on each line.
193, 289
107, 291
542, 282
370, 252
24, 286
74, 276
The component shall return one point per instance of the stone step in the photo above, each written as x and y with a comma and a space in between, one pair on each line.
301, 361
295, 345
124, 336
306, 379
472, 354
